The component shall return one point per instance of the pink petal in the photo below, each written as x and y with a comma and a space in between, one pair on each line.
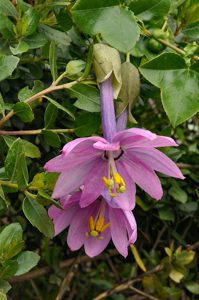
93, 183
82, 152
144, 177
79, 227
107, 146
118, 231
70, 181
71, 145
156, 160
64, 218
136, 137
131, 226
125, 200
94, 247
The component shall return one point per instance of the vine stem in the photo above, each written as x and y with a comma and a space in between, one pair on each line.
9, 184
168, 44
35, 132
48, 90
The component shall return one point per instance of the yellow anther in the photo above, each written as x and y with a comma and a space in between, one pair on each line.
94, 233
99, 223
105, 180
91, 223
122, 189
117, 178
110, 182
105, 226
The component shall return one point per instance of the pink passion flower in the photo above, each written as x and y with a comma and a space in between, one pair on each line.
113, 168
94, 226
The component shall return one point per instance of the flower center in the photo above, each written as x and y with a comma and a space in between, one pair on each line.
114, 183
97, 226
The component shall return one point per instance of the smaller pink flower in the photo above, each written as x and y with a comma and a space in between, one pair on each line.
94, 226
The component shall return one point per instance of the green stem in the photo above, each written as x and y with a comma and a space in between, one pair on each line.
9, 184
128, 57
35, 132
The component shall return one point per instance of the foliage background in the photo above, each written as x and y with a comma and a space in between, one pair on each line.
41, 40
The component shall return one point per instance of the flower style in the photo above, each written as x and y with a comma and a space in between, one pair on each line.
94, 226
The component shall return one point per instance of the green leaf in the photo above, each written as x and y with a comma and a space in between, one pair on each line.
50, 115
178, 194
4, 286
11, 241
150, 10
87, 124
170, 73
15, 164
24, 111
54, 35
75, 67
51, 138
3, 201
176, 276
166, 214
88, 97
7, 65
116, 24
30, 19
8, 9
8, 269
26, 261
192, 287
130, 89
44, 181
37, 40
3, 296
45, 199
37, 216
59, 106
192, 31
31, 150
21, 47
53, 60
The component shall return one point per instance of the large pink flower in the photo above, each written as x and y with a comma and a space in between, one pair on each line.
113, 168
94, 226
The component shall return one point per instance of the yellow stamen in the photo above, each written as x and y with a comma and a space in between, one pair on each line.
117, 178
99, 223
105, 226
91, 223
96, 226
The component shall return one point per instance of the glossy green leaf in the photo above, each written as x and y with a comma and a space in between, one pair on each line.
150, 10
166, 214
178, 194
192, 31
87, 124
55, 35
53, 60
37, 40
59, 106
50, 115
31, 19
37, 216
20, 48
31, 150
11, 241
51, 138
193, 287
8, 9
116, 24
7, 65
26, 261
75, 67
88, 97
170, 73
15, 164
23, 111
4, 286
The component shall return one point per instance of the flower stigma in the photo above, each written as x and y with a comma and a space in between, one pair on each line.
114, 183
97, 226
